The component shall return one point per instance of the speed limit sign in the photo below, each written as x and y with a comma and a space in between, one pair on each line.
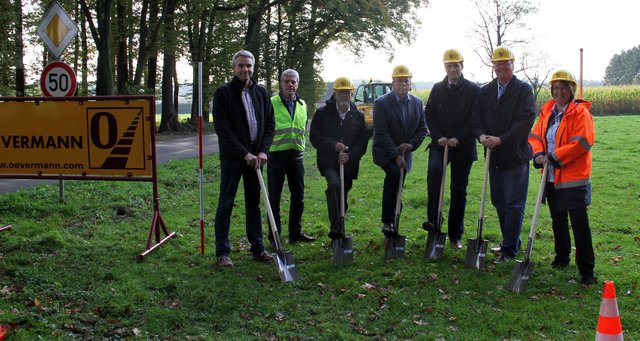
58, 80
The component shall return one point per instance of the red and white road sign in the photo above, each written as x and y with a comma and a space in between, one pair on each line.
58, 80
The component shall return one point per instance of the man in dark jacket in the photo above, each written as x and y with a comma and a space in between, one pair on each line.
448, 115
244, 123
339, 134
399, 129
501, 120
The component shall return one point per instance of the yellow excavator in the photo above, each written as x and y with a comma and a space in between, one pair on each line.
365, 95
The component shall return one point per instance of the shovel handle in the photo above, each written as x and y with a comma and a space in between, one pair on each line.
399, 199
445, 162
272, 221
536, 211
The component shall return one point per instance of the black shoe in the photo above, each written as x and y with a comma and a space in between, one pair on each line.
301, 238
335, 235
429, 226
388, 230
456, 244
503, 259
588, 280
559, 264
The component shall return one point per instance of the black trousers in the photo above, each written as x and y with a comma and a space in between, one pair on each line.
293, 170
390, 191
585, 258
332, 175
460, 158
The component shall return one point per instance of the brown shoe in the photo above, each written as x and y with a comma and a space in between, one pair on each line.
224, 262
264, 256
301, 238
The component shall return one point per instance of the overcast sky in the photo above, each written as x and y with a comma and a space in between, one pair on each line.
560, 28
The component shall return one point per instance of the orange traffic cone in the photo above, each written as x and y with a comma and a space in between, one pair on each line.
609, 325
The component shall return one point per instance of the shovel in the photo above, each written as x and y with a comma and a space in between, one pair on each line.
394, 244
436, 239
523, 269
477, 248
283, 260
342, 247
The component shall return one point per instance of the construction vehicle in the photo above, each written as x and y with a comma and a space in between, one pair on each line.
365, 95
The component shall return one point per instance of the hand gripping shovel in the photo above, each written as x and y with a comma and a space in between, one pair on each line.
282, 260
342, 247
436, 239
523, 269
477, 248
394, 244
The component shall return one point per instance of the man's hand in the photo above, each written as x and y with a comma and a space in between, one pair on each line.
489, 141
343, 158
400, 161
256, 161
540, 160
453, 142
340, 147
405, 148
442, 141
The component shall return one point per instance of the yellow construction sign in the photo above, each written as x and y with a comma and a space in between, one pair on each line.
79, 137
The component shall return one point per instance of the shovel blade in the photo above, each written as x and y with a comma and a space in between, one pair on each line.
342, 251
476, 254
394, 246
435, 245
286, 266
520, 276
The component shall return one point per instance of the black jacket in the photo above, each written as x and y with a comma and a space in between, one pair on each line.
327, 129
509, 118
389, 132
230, 120
448, 111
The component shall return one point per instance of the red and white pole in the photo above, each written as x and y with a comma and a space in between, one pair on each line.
200, 154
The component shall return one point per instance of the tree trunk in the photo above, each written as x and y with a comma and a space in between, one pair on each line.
152, 60
142, 45
102, 36
19, 47
169, 119
122, 74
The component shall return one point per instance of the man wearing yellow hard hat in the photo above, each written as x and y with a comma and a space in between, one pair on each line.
448, 115
399, 129
501, 120
339, 134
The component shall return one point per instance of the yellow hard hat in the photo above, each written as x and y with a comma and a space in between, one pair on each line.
563, 75
502, 53
452, 56
401, 71
343, 83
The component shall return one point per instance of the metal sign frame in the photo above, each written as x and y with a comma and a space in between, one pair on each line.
155, 239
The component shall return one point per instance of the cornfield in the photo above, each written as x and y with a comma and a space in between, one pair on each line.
605, 100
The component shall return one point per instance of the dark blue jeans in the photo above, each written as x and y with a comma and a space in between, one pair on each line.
332, 175
293, 170
460, 158
230, 172
509, 196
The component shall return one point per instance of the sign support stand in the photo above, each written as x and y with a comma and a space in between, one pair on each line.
156, 222
8, 227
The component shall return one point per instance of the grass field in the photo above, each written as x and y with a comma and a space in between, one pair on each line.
70, 270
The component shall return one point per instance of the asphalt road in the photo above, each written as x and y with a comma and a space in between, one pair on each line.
167, 150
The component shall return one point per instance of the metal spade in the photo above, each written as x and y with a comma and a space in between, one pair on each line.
524, 269
477, 248
283, 260
342, 247
394, 244
436, 239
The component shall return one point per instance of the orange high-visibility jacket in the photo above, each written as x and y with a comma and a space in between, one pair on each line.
575, 136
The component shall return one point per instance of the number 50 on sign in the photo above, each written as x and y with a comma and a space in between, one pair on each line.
58, 80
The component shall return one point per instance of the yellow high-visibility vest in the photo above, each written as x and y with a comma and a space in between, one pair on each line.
289, 131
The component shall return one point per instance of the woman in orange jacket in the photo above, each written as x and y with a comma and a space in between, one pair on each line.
563, 136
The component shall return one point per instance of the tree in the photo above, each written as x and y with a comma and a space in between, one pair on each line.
624, 68
500, 23
102, 37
